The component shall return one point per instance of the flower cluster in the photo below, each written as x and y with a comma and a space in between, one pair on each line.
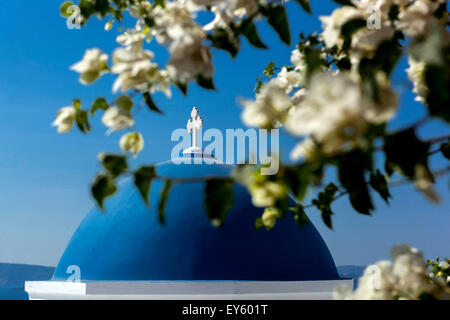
335, 96
172, 24
337, 90
405, 277
92, 66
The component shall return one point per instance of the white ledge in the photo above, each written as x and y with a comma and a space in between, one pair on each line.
189, 290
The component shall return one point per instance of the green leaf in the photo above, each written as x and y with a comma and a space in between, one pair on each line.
305, 5
76, 104
393, 12
99, 103
326, 218
437, 79
351, 26
90, 7
150, 103
124, 102
114, 164
404, 150
313, 60
149, 21
344, 64
204, 82
118, 15
248, 29
385, 59
183, 87
300, 216
426, 296
258, 223
63, 9
277, 18
378, 182
82, 120
163, 200
269, 70
445, 149
142, 180
218, 200
225, 40
160, 3
345, 2
351, 172
102, 187
324, 201
297, 178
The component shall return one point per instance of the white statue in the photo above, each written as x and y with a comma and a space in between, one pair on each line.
194, 125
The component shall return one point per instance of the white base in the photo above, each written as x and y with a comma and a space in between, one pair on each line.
195, 150
184, 290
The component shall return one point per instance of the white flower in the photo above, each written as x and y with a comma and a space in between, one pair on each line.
304, 149
131, 38
132, 142
410, 271
298, 60
175, 22
64, 119
133, 66
334, 113
161, 82
117, 118
416, 73
240, 8
270, 106
298, 97
221, 19
381, 6
415, 19
108, 26
332, 24
406, 277
92, 66
366, 41
287, 80
265, 194
270, 216
376, 283
228, 11
189, 59
139, 8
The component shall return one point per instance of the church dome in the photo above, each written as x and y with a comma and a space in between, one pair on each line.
127, 242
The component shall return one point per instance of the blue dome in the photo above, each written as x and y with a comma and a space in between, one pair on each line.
127, 242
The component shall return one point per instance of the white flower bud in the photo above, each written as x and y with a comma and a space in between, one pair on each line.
132, 142
64, 119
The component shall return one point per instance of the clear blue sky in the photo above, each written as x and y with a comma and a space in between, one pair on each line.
44, 176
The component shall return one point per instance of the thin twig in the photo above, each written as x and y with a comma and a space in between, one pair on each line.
399, 182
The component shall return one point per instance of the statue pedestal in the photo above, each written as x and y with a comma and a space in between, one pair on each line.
184, 290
